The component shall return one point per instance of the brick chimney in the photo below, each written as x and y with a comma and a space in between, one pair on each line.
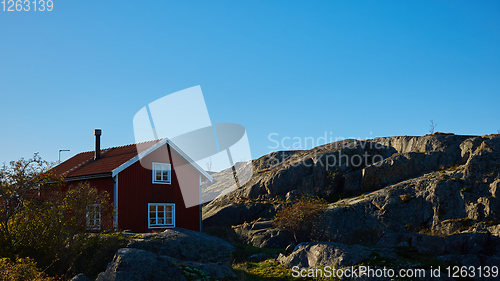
97, 151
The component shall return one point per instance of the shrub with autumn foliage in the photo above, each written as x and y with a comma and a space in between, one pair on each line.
20, 270
42, 221
300, 217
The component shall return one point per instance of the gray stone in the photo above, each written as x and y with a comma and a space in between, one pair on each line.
263, 234
468, 243
258, 257
471, 260
429, 244
313, 254
289, 249
185, 245
277, 239
213, 270
353, 181
139, 265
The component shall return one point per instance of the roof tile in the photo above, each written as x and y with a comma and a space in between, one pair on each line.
83, 164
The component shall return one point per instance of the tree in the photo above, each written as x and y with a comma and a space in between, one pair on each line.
433, 127
21, 181
43, 219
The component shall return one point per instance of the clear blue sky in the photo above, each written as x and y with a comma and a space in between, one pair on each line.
295, 68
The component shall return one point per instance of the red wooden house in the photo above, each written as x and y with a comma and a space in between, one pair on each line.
143, 186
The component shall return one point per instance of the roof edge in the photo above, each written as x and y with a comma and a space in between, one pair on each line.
146, 152
88, 177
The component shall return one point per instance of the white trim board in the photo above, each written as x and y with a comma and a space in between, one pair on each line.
153, 148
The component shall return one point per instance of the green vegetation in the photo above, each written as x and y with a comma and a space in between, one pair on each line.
43, 227
266, 270
249, 270
193, 273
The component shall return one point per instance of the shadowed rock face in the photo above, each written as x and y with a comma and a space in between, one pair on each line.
171, 255
438, 202
137, 265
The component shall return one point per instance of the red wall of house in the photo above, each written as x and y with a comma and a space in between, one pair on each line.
136, 190
103, 184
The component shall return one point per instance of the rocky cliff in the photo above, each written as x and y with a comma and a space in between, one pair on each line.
392, 191
340, 169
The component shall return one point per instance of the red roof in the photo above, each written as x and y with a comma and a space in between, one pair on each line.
83, 164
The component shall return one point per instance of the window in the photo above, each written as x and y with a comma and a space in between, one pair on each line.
94, 216
161, 215
161, 173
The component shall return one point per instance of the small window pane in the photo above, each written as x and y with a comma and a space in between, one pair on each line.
161, 173
93, 216
161, 215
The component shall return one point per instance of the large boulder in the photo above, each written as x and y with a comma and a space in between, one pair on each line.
185, 245
140, 265
314, 254
262, 234
175, 254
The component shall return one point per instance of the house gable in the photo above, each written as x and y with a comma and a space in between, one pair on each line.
149, 150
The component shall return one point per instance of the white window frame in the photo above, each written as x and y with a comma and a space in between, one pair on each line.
93, 223
157, 225
168, 167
